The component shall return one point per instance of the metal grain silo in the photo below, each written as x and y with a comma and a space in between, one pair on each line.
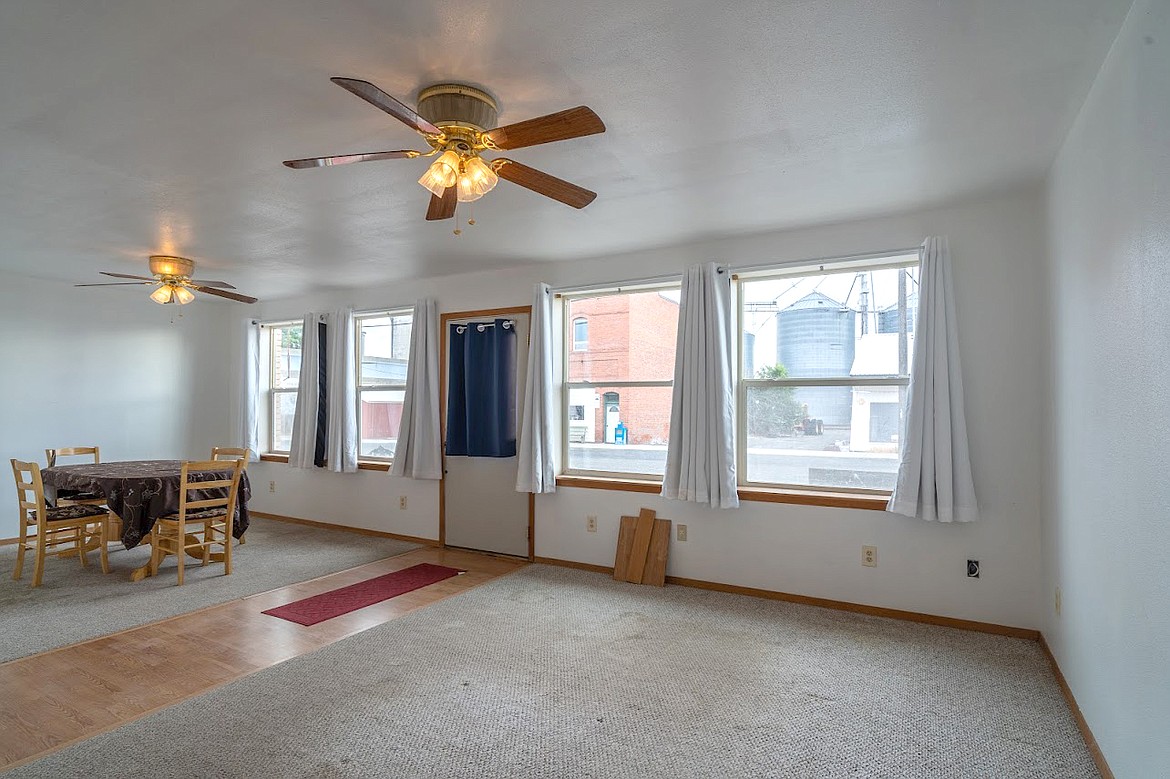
816, 336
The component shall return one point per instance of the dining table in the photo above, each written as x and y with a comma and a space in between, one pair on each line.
138, 492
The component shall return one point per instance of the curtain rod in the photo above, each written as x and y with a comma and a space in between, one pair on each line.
671, 277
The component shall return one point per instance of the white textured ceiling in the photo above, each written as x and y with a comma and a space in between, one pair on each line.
138, 126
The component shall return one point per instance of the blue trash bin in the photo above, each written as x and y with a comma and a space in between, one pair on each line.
619, 433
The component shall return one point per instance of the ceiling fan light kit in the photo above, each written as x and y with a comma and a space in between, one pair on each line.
453, 120
172, 278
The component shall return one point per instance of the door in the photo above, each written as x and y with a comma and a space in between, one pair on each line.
482, 509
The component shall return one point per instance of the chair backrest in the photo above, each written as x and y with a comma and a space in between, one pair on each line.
230, 453
220, 476
30, 492
51, 455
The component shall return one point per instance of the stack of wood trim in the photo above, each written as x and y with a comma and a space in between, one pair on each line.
643, 543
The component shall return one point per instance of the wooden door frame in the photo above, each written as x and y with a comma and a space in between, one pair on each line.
444, 320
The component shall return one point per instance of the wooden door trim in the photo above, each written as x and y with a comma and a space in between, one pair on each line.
444, 320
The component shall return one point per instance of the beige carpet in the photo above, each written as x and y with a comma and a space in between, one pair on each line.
75, 604
556, 673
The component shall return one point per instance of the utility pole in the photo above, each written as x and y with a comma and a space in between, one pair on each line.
863, 302
903, 350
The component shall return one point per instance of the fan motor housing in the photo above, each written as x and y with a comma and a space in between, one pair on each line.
458, 105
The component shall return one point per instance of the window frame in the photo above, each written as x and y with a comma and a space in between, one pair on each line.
271, 391
583, 345
359, 388
743, 383
567, 349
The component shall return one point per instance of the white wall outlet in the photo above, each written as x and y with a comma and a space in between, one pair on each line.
869, 556
682, 532
272, 486
591, 523
1058, 603
402, 502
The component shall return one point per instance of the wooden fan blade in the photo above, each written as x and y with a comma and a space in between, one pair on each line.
220, 284
346, 159
224, 294
125, 276
443, 207
542, 183
116, 284
376, 97
572, 123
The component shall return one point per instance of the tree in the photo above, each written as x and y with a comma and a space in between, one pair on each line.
290, 338
773, 411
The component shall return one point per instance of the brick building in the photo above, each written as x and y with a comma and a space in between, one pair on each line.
622, 338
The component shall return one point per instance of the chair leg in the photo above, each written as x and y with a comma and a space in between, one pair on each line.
243, 539
79, 543
20, 556
39, 562
180, 554
227, 549
155, 554
103, 541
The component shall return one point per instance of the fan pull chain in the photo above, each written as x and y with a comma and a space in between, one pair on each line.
470, 214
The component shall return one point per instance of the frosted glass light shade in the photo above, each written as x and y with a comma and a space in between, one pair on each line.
183, 295
441, 174
163, 294
476, 180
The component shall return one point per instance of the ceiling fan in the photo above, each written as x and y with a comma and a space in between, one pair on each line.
172, 277
453, 118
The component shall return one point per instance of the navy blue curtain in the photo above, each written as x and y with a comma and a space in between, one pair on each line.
481, 389
322, 396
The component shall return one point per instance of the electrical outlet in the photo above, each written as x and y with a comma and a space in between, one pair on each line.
272, 486
591, 523
869, 556
1058, 604
401, 501
972, 569
682, 532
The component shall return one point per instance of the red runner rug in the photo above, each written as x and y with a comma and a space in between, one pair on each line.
343, 600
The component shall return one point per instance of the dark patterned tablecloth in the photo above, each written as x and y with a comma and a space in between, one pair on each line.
140, 491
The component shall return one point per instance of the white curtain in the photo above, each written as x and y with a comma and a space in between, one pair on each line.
934, 478
536, 472
249, 423
303, 448
418, 453
341, 442
700, 457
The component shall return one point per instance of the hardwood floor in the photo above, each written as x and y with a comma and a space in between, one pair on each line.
73, 693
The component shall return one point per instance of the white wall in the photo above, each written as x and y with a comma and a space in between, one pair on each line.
106, 367
1107, 526
998, 248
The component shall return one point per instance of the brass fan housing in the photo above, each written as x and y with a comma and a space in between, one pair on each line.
458, 105
171, 267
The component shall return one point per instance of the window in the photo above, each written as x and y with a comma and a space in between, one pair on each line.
617, 389
824, 365
383, 352
580, 334
282, 344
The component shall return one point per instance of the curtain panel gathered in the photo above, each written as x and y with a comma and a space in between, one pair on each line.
303, 449
934, 476
418, 453
249, 433
481, 391
324, 432
341, 433
537, 470
700, 455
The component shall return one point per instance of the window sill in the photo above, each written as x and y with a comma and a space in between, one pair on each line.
754, 494
362, 465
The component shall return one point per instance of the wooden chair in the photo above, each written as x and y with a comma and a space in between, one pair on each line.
77, 524
232, 453
200, 523
70, 497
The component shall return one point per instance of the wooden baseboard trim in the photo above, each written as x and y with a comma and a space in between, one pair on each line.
347, 528
571, 564
825, 603
1087, 734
